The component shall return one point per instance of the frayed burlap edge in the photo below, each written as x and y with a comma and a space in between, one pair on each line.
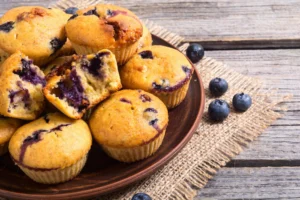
213, 145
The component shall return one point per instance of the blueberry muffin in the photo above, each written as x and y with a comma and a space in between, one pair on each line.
51, 149
75, 86
146, 39
160, 70
105, 27
21, 85
35, 31
130, 125
7, 128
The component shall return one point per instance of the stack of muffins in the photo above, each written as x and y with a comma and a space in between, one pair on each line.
57, 69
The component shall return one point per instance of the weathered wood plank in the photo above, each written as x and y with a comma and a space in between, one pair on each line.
253, 183
278, 69
216, 24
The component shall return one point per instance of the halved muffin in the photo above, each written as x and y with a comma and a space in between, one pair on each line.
82, 83
21, 86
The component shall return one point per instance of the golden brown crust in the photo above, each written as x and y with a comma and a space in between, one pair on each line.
129, 118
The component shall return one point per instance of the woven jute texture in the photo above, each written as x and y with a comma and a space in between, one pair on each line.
213, 144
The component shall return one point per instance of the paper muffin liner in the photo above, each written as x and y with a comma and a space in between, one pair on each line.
133, 154
57, 175
174, 98
122, 54
3, 148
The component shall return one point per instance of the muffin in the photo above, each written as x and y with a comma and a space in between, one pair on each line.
146, 39
51, 149
35, 31
75, 86
21, 85
160, 70
7, 128
130, 125
105, 27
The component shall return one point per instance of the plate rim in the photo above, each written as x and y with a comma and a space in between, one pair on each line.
92, 192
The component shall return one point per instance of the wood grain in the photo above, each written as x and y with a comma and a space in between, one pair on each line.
253, 183
278, 69
216, 24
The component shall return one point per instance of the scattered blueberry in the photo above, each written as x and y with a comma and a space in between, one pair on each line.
241, 102
218, 86
146, 54
141, 196
153, 122
7, 27
195, 52
71, 10
218, 110
124, 100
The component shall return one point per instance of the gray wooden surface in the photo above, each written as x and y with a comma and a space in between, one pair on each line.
257, 38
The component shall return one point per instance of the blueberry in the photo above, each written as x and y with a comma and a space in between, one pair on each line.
218, 86
141, 196
218, 110
71, 10
241, 102
195, 52
7, 27
146, 54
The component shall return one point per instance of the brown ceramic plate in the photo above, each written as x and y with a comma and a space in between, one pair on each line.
103, 174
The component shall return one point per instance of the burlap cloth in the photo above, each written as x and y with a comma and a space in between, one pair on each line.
213, 145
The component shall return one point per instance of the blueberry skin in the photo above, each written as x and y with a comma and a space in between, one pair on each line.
71, 10
195, 52
218, 86
218, 110
141, 196
241, 102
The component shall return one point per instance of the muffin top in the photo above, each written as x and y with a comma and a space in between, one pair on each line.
21, 86
7, 128
129, 118
104, 25
35, 31
156, 68
50, 142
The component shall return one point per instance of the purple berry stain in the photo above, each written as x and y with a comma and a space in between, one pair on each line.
7, 27
95, 64
35, 138
22, 93
146, 54
29, 74
145, 98
125, 100
150, 110
72, 90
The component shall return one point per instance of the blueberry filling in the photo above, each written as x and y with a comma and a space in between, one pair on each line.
29, 74
186, 70
95, 65
72, 90
56, 44
153, 122
46, 118
150, 110
36, 137
92, 12
22, 94
73, 17
146, 54
125, 100
145, 98
7, 27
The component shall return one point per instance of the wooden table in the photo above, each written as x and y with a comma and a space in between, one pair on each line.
257, 38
